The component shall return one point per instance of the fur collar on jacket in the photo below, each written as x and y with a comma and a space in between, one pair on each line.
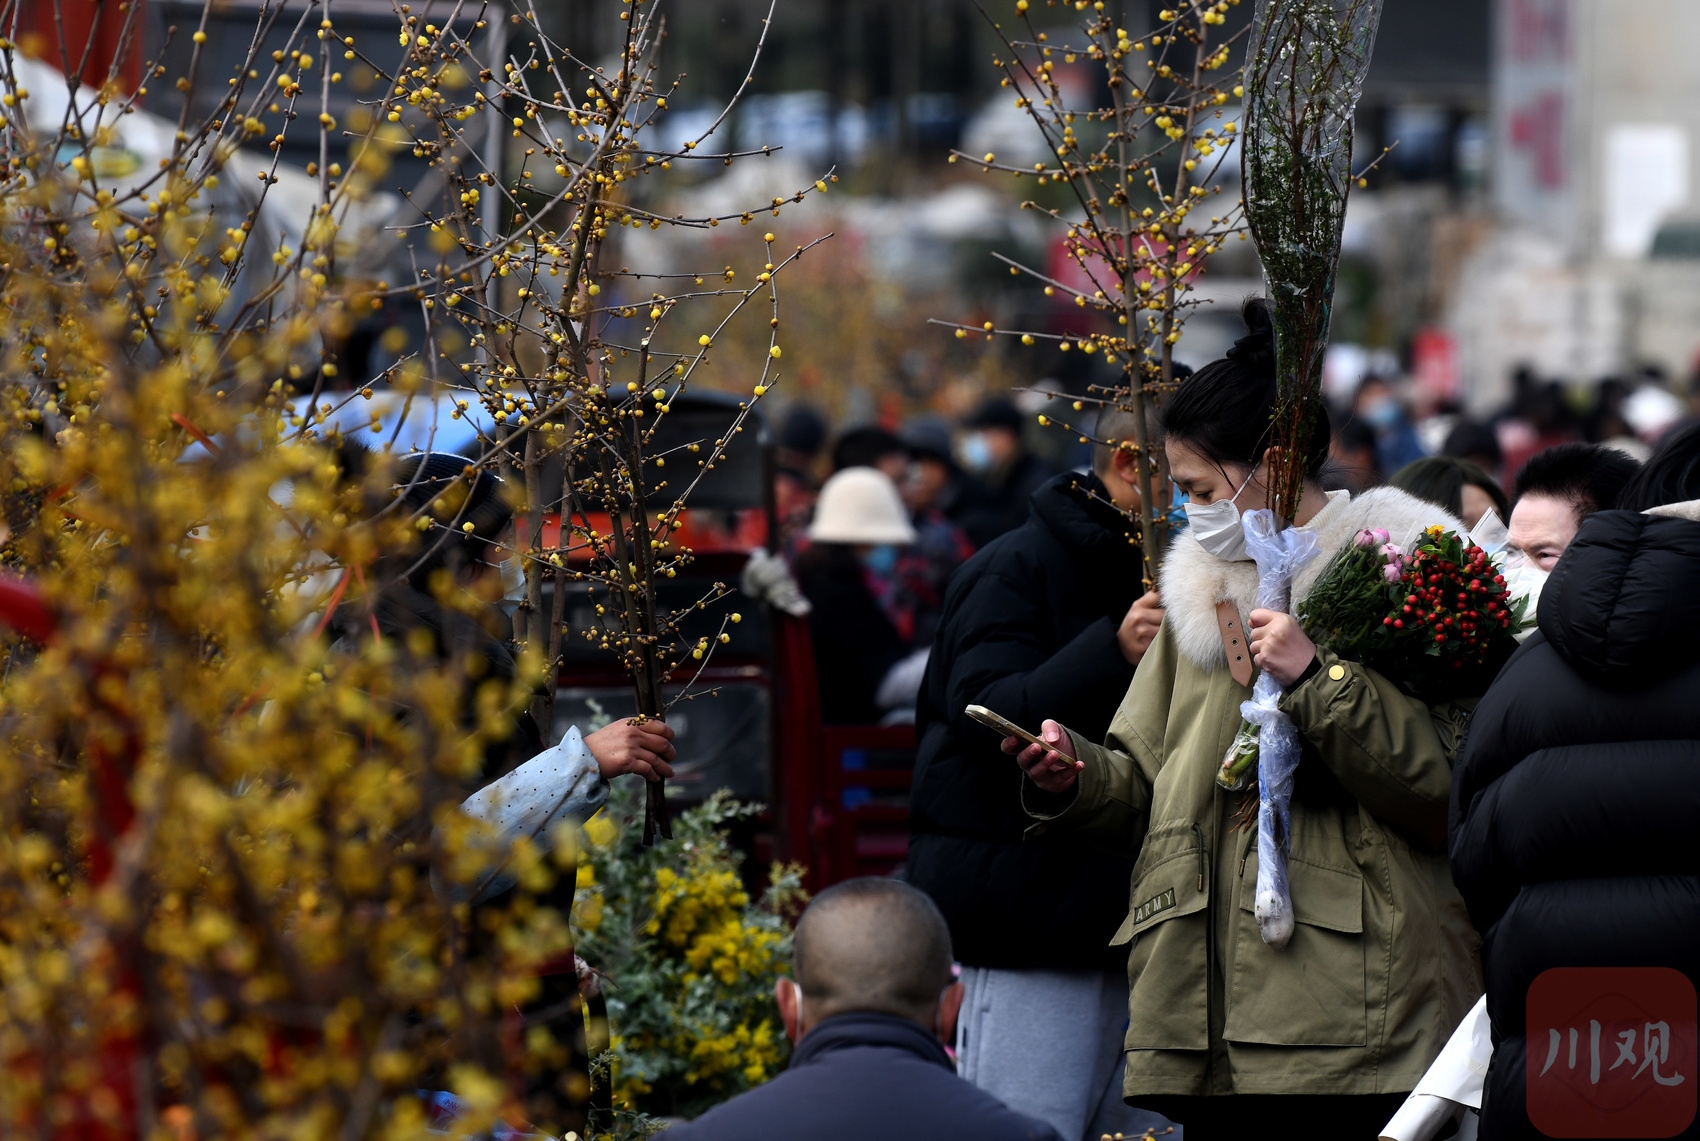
1690, 509
1194, 581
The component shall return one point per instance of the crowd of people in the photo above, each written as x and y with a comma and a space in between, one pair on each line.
880, 557
1098, 892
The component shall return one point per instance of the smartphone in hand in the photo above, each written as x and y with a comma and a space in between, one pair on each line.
1004, 725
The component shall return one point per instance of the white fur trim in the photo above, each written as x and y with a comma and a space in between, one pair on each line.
1687, 510
1194, 581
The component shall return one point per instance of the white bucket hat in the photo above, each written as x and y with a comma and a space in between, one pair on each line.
861, 505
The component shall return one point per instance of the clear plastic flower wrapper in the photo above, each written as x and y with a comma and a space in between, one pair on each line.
1239, 766
1279, 553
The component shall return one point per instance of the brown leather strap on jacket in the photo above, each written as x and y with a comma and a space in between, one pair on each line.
1234, 642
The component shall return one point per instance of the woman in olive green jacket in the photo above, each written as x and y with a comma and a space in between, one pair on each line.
1382, 963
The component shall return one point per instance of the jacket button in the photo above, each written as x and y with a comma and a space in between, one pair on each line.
1337, 672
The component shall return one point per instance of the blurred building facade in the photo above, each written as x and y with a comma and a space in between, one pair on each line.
1592, 266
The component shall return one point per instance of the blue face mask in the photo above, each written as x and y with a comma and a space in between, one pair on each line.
1177, 509
976, 452
881, 560
1383, 414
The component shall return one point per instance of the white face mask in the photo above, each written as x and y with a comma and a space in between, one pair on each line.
1524, 579
1217, 527
513, 578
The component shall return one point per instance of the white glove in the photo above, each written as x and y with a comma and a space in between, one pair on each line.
766, 577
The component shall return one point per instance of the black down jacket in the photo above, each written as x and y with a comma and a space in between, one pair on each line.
1576, 801
1029, 631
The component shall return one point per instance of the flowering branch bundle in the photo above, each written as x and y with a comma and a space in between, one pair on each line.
1138, 171
691, 958
573, 379
223, 828
1303, 75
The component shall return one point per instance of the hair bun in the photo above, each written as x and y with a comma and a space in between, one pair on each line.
1257, 348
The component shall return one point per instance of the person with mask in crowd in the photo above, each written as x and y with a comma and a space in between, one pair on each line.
936, 482
1461, 487
1228, 1035
859, 530
1049, 619
1575, 803
1378, 406
869, 1008
993, 450
932, 482
901, 579
1556, 490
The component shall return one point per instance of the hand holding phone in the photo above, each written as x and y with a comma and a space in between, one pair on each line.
1002, 724
1047, 764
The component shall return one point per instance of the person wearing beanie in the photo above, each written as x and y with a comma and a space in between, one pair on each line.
859, 530
992, 450
914, 594
802, 434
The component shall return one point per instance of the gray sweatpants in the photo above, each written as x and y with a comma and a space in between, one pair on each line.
1049, 1044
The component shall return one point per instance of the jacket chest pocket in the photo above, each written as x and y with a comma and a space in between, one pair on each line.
1167, 968
1311, 992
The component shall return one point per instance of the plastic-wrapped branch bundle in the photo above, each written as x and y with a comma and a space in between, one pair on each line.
1305, 69
1279, 553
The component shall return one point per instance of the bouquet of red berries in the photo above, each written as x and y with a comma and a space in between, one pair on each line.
1436, 620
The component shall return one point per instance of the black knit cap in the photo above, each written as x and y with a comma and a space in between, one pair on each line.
453, 493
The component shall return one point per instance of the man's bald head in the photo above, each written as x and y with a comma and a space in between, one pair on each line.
872, 945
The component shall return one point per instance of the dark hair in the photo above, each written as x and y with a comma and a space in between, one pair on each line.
865, 447
1587, 476
1441, 480
888, 952
1672, 475
997, 412
802, 429
1471, 438
1224, 410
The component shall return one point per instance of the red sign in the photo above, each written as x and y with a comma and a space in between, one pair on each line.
1612, 1052
1434, 366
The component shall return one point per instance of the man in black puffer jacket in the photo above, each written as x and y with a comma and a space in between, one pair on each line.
1576, 801
1049, 616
